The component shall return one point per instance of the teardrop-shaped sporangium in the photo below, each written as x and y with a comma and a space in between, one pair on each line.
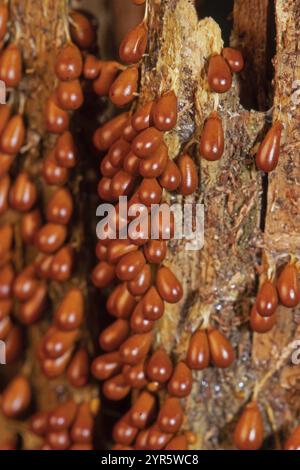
212, 139
288, 286
268, 153
219, 74
249, 431
134, 44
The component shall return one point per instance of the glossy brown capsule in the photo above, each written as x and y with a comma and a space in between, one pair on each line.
249, 431
124, 87
5, 328
288, 286
69, 63
147, 142
5, 308
130, 266
212, 139
155, 251
108, 73
62, 264
79, 369
142, 282
153, 305
142, 118
189, 176
234, 58
131, 164
153, 167
69, 314
124, 432
136, 348
82, 30
14, 345
114, 335
107, 169
53, 368
106, 135
65, 151
293, 442
219, 74
5, 113
138, 322
57, 119
118, 152
135, 376
134, 44
39, 423
6, 239
178, 443
129, 133
267, 299
159, 367
198, 355
150, 192
157, 440
116, 389
142, 412
3, 20
170, 417
11, 66
60, 207
16, 397
164, 112
43, 266
58, 440
221, 352
121, 303
82, 428
30, 224
168, 285
122, 184
51, 237
107, 365
4, 190
57, 343
23, 193
63, 416
181, 382
119, 248
92, 67
261, 324
53, 173
104, 189
13, 135
268, 153
25, 284
6, 281
6, 162
31, 310
69, 95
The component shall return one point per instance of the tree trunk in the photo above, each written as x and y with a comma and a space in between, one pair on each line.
220, 280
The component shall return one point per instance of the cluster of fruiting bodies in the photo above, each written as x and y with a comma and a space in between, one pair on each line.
46, 234
136, 164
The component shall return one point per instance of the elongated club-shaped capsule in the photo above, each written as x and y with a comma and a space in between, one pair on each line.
82, 30
142, 412
181, 381
11, 66
164, 112
136, 348
293, 442
234, 58
249, 431
288, 286
16, 397
219, 74
268, 153
168, 285
124, 87
198, 355
134, 44
107, 365
106, 135
261, 324
221, 352
267, 299
114, 335
69, 63
189, 175
142, 118
212, 139
170, 416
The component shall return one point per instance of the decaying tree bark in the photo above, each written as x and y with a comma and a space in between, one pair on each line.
220, 280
